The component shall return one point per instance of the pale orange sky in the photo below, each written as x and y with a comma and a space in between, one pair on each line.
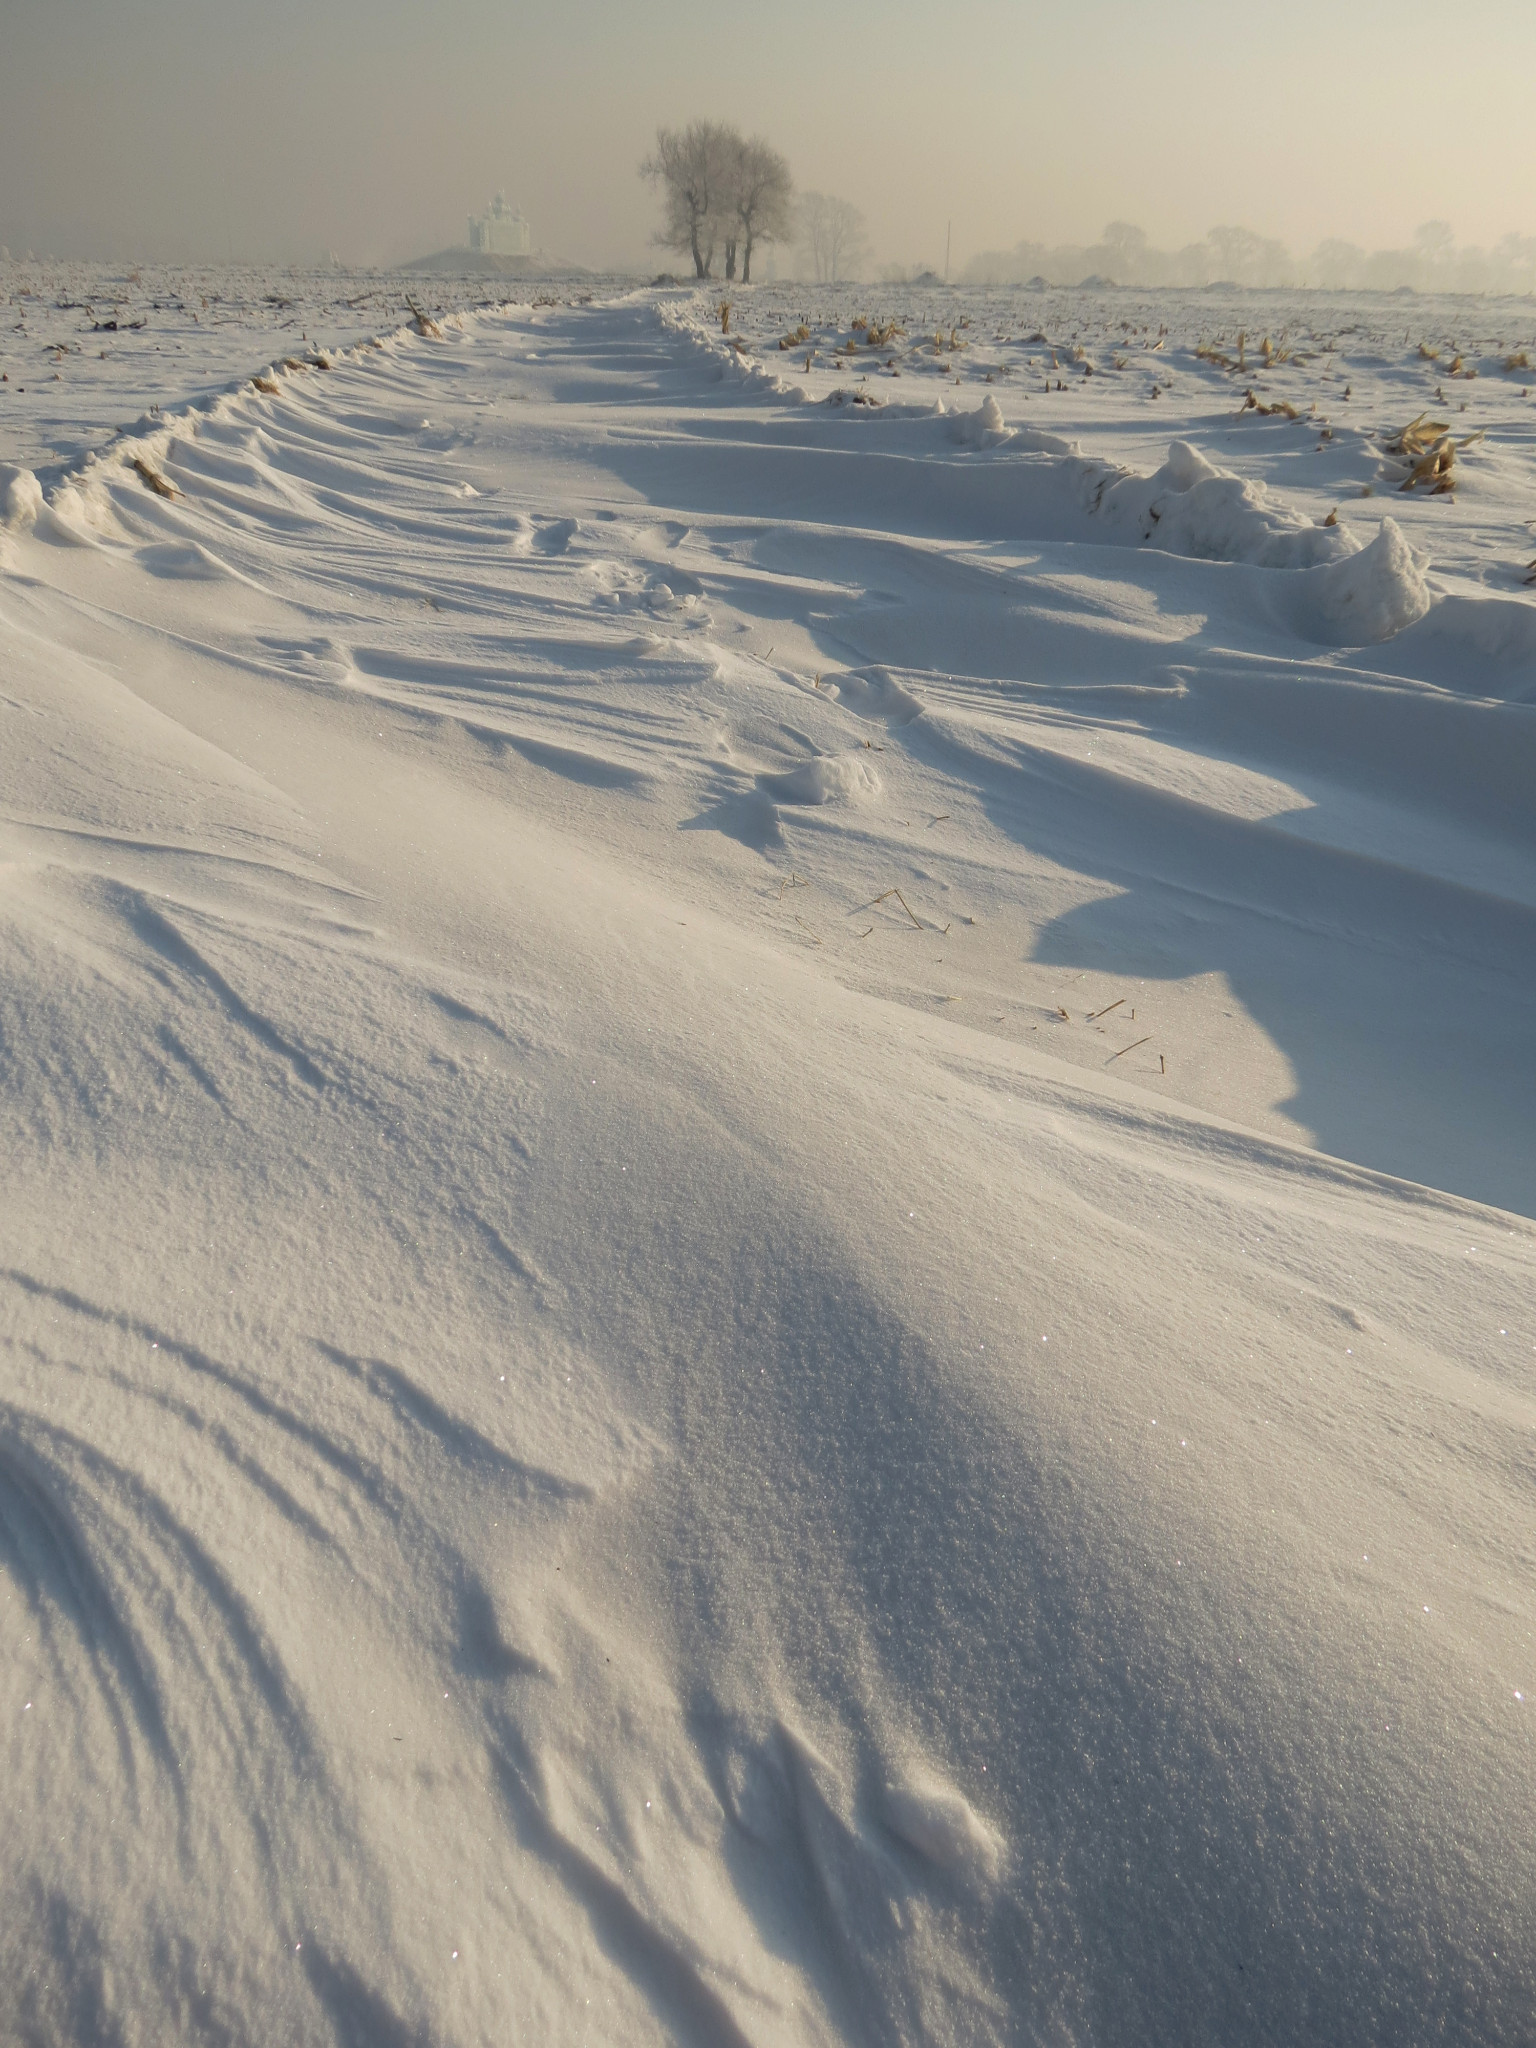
193, 128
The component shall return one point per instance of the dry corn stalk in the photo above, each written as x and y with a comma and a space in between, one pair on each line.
1417, 437
1520, 360
265, 384
160, 485
1435, 468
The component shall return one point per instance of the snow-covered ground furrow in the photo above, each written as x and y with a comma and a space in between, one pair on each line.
705, 1332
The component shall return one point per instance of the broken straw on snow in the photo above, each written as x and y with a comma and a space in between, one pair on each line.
1120, 1055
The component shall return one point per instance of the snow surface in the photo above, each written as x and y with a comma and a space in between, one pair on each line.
767, 1255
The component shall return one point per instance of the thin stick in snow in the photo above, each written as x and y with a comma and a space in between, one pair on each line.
917, 923
1120, 1055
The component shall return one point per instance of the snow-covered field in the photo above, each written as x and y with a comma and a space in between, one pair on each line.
768, 1115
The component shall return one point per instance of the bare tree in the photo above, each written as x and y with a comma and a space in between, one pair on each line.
1243, 257
693, 168
761, 195
1128, 250
718, 190
833, 230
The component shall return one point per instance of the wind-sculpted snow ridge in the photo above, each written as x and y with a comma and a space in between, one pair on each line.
87, 348
1188, 506
767, 1236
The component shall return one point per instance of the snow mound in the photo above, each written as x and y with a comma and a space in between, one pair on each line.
1348, 595
1035, 441
825, 779
983, 428
1189, 507
21, 498
184, 561
1366, 597
943, 1826
987, 428
875, 693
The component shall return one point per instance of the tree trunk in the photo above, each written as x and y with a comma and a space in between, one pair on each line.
746, 259
700, 269
730, 261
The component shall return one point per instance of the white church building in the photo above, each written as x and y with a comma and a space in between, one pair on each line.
501, 230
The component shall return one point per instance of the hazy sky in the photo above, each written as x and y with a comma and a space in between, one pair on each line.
198, 128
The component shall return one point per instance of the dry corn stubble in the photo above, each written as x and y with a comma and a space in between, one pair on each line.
1425, 452
1280, 407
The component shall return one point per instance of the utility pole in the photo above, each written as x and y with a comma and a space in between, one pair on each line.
948, 230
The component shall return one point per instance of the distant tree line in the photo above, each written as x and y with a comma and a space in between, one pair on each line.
1124, 255
722, 194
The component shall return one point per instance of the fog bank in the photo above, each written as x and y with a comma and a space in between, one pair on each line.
1124, 254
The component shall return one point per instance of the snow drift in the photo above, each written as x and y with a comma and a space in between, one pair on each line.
619, 1424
